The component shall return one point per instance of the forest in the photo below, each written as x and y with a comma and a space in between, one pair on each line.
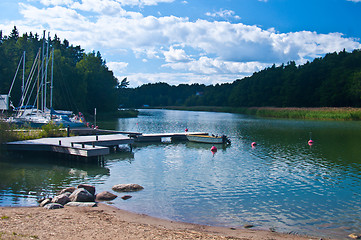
82, 81
331, 81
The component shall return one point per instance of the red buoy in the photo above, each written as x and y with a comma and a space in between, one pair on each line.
310, 142
213, 149
186, 130
253, 144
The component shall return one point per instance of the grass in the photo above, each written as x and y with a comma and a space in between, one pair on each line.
10, 132
340, 114
5, 217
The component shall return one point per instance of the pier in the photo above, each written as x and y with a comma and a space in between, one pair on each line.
91, 145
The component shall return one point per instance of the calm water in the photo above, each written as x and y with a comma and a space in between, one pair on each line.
282, 183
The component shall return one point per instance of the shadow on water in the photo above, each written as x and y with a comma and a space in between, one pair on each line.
26, 176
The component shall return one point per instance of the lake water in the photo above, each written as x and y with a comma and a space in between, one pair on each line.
282, 183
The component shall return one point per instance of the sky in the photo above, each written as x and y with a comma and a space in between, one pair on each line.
192, 41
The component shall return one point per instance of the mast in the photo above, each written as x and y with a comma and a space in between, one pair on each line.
51, 79
23, 84
42, 73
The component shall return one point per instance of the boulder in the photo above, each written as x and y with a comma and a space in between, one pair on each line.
126, 197
69, 189
61, 199
53, 206
44, 202
81, 204
88, 187
127, 187
105, 196
81, 195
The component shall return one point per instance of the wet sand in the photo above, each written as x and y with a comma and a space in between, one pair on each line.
107, 222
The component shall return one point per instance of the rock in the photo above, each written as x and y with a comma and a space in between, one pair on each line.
69, 189
44, 202
53, 206
127, 187
355, 236
125, 197
61, 199
67, 194
248, 226
81, 195
105, 196
81, 204
88, 187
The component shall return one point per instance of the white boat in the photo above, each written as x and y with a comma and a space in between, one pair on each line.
41, 115
208, 139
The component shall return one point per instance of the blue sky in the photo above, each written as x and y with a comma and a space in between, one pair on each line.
192, 41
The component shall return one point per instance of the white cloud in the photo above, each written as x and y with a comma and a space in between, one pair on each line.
176, 55
223, 14
356, 1
137, 79
117, 67
201, 48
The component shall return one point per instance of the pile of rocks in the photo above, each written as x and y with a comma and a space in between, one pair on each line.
84, 195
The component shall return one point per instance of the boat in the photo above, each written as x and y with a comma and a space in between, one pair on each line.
208, 139
39, 114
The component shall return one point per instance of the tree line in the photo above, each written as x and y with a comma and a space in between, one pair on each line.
82, 81
331, 81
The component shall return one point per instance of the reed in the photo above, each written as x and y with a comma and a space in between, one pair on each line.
341, 114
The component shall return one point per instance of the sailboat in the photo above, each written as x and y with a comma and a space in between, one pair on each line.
40, 115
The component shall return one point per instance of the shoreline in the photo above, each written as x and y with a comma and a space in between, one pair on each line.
298, 113
108, 222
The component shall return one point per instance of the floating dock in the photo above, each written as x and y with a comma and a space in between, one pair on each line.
91, 145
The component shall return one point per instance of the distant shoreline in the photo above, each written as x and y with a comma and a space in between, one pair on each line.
322, 113
107, 222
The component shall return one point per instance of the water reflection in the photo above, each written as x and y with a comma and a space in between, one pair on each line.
282, 183
26, 177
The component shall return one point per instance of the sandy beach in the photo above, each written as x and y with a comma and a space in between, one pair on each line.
107, 222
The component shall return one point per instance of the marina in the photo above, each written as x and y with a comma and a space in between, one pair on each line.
91, 145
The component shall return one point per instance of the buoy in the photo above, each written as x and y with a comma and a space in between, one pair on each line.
186, 130
310, 142
213, 149
253, 144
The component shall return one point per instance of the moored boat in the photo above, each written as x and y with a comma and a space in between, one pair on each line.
208, 139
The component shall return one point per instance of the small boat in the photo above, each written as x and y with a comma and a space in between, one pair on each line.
208, 139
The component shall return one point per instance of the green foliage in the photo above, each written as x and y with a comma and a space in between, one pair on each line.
332, 81
52, 130
82, 81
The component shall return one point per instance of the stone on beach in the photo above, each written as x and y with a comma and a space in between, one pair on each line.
81, 195
53, 206
105, 196
69, 189
88, 187
81, 204
44, 202
127, 187
61, 199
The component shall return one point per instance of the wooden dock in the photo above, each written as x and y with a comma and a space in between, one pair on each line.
91, 145
85, 146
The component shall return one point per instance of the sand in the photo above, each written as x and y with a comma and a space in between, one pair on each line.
107, 222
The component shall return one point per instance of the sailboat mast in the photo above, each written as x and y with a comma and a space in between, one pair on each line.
52, 77
23, 84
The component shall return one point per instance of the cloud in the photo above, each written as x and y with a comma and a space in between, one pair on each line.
137, 79
117, 67
176, 55
356, 1
199, 49
223, 14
